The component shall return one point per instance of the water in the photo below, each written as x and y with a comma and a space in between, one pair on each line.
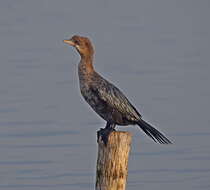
157, 52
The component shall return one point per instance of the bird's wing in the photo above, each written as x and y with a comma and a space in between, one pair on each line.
115, 99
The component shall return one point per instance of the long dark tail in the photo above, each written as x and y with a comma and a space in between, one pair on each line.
153, 133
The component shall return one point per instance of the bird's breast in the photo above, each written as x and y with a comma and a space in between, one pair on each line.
85, 89
93, 100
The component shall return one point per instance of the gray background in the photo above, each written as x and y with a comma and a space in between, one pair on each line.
157, 52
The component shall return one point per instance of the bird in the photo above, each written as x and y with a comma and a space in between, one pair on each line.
105, 98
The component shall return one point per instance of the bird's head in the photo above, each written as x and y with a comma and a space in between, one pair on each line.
82, 44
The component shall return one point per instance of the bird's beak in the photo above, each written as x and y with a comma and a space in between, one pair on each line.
69, 42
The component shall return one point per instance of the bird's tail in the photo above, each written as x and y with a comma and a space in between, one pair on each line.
153, 133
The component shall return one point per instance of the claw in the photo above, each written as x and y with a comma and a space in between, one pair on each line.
104, 134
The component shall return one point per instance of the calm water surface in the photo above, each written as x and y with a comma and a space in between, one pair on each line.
157, 52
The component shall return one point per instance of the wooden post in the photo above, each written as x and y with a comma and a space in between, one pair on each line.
112, 162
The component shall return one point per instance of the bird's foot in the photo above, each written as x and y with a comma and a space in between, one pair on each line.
103, 134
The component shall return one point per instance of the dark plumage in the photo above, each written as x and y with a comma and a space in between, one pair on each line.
106, 99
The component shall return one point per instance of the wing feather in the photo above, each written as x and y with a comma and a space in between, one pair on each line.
115, 99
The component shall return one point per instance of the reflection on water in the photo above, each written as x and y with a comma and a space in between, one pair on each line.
54, 176
79, 185
166, 170
156, 52
38, 134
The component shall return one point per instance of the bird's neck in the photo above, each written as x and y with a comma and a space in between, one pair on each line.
86, 64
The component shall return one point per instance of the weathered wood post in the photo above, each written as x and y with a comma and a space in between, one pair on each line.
112, 162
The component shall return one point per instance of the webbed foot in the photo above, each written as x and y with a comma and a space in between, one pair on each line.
104, 134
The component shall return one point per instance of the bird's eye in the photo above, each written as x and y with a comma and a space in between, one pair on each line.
76, 42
